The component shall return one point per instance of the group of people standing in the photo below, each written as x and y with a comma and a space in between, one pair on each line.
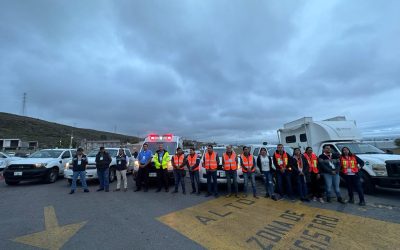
306, 170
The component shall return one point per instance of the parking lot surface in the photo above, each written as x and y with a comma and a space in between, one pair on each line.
36, 215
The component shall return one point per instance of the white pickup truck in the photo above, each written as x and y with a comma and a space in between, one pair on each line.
380, 169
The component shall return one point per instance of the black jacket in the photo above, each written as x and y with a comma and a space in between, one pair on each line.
103, 160
306, 167
121, 162
259, 163
79, 167
326, 165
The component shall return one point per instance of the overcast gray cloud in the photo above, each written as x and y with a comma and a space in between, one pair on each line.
211, 70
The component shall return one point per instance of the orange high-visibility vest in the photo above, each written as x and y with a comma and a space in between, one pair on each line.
192, 161
349, 162
248, 163
210, 161
230, 162
282, 160
312, 162
178, 160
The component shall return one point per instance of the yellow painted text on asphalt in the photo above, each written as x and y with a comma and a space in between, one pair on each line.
266, 224
54, 236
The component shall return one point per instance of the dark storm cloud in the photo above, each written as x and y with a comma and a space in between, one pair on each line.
211, 70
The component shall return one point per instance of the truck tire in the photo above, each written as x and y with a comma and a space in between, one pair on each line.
112, 175
367, 183
11, 183
52, 175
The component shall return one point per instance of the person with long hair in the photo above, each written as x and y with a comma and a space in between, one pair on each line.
350, 166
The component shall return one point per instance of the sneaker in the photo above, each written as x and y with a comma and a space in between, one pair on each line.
117, 190
340, 200
100, 189
86, 190
255, 196
351, 201
208, 195
321, 200
362, 203
228, 196
72, 191
274, 198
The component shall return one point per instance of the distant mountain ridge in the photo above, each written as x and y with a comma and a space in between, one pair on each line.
49, 134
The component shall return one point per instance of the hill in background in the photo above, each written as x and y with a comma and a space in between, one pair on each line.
49, 134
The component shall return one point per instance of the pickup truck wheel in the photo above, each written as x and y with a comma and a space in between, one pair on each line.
367, 183
52, 175
12, 183
112, 175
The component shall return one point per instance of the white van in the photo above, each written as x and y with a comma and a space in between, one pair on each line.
170, 143
380, 169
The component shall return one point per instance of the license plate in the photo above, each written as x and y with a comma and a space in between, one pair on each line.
152, 174
221, 173
17, 173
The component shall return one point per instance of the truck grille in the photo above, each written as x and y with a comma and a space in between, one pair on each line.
21, 166
393, 168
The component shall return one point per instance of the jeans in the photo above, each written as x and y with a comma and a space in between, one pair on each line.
302, 186
162, 178
316, 185
195, 180
82, 176
179, 178
252, 177
269, 184
142, 177
332, 180
122, 174
212, 175
231, 175
287, 177
104, 178
353, 182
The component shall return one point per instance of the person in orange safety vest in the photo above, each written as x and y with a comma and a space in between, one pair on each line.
230, 164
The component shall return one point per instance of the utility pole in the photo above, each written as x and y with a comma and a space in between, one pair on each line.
24, 104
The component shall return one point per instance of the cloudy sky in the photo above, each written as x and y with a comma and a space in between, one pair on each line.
211, 70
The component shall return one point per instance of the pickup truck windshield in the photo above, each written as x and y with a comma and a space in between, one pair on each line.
46, 154
360, 148
112, 152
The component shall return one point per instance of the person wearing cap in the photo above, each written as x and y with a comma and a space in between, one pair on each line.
79, 163
103, 161
122, 165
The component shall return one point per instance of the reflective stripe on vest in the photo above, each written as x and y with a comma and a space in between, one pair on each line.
282, 160
210, 161
349, 162
192, 161
312, 162
230, 162
248, 162
179, 160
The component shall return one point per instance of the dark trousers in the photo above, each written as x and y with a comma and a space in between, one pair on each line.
231, 175
212, 176
103, 175
287, 178
302, 186
315, 185
142, 177
179, 178
162, 178
353, 182
195, 180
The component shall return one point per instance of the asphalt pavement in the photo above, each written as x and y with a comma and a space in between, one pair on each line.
33, 215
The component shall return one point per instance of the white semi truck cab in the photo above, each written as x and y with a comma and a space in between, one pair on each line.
380, 169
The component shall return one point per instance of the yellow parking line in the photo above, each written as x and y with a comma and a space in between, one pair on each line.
265, 224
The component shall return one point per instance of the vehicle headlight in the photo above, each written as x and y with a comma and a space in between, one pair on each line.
169, 165
40, 165
379, 169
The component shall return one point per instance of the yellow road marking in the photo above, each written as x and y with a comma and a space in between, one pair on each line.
54, 236
265, 224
